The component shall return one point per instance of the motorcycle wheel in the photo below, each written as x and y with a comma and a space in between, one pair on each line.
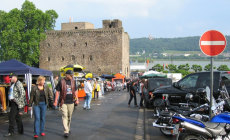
192, 137
166, 132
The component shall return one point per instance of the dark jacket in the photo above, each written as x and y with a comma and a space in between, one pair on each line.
64, 91
35, 95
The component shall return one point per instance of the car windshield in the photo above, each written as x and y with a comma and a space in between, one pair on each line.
226, 80
189, 82
154, 83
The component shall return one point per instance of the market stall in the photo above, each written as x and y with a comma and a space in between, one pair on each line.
19, 68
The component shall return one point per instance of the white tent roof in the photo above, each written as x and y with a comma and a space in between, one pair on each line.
151, 72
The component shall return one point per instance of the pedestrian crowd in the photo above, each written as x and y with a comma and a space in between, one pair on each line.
137, 86
65, 98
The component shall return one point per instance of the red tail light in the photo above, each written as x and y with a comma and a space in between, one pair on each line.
175, 121
181, 129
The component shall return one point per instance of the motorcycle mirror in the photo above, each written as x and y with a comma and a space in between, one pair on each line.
201, 91
175, 84
188, 96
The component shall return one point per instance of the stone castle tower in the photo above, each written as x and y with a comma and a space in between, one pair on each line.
101, 51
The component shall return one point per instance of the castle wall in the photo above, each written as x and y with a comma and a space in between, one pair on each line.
100, 51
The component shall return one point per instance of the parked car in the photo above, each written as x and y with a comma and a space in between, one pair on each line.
176, 92
154, 83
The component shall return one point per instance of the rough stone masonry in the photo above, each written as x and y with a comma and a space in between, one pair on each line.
100, 51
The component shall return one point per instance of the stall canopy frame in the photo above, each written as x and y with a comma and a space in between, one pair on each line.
19, 68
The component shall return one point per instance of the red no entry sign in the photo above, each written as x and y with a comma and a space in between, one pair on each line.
212, 43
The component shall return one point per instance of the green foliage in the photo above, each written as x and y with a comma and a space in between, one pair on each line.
196, 68
22, 30
185, 67
208, 67
183, 72
158, 67
223, 68
171, 68
165, 71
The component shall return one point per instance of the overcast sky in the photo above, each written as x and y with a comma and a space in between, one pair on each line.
141, 18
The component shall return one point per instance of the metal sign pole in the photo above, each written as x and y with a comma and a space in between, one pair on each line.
211, 87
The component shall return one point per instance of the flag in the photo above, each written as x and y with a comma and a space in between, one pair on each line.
147, 62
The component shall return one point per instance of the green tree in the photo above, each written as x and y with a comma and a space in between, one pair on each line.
22, 30
208, 67
171, 67
196, 68
185, 67
158, 67
183, 72
223, 68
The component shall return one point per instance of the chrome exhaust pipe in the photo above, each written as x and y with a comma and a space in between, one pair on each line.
195, 128
162, 126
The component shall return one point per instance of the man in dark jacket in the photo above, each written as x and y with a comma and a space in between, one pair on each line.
67, 89
132, 94
17, 98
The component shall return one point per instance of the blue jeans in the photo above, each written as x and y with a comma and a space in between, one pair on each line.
39, 118
88, 99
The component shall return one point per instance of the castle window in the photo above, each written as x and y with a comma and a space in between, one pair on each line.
48, 59
73, 57
86, 44
62, 58
61, 44
74, 44
48, 44
91, 58
83, 56
76, 28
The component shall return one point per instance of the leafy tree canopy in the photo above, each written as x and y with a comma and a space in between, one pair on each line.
158, 67
208, 67
21, 31
196, 68
223, 68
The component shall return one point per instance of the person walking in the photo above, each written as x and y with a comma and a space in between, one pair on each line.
56, 80
40, 96
102, 88
17, 98
88, 90
141, 85
66, 90
132, 94
56, 77
128, 86
96, 89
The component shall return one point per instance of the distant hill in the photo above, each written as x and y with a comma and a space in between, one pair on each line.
157, 45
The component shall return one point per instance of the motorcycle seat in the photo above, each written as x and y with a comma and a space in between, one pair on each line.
211, 125
214, 128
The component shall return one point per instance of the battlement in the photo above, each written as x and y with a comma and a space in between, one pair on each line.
76, 25
83, 31
112, 24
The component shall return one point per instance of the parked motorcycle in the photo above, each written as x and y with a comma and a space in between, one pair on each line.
217, 129
168, 126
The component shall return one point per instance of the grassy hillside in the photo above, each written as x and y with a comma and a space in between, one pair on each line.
159, 45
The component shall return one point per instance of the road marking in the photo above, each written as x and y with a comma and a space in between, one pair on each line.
212, 42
